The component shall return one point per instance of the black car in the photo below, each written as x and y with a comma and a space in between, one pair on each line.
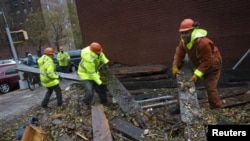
75, 58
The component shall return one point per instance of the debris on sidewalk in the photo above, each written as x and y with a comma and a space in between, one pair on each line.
75, 121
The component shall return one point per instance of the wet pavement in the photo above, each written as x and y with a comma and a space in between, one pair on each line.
19, 101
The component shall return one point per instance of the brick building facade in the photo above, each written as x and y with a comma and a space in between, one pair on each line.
146, 31
16, 12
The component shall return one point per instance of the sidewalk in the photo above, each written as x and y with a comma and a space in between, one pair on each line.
19, 101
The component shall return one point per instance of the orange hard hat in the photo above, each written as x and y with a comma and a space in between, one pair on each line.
96, 47
186, 25
61, 49
49, 51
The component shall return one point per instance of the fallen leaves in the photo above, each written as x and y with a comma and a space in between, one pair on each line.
74, 122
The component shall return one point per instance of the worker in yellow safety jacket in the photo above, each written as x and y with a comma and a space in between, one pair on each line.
48, 77
41, 61
63, 60
88, 71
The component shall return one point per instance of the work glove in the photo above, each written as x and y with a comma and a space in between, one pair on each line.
194, 78
98, 81
103, 66
175, 70
103, 79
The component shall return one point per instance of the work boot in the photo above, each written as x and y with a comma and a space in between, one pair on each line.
174, 110
104, 102
46, 107
62, 106
86, 105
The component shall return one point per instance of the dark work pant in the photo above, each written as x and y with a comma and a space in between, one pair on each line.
48, 94
64, 69
89, 87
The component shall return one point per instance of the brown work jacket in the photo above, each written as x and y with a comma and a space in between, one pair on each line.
203, 55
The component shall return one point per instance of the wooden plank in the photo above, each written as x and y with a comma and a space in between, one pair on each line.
144, 77
123, 97
156, 84
236, 100
233, 96
127, 128
138, 70
238, 75
189, 106
101, 131
25, 68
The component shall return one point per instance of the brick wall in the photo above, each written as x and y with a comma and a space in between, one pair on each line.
145, 32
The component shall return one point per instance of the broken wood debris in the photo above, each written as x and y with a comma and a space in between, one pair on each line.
155, 99
138, 70
165, 103
144, 76
100, 124
123, 97
81, 135
127, 128
189, 127
233, 96
189, 106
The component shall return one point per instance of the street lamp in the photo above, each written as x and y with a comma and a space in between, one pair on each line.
22, 83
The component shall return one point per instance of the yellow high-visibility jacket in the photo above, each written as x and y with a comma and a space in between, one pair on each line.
63, 58
48, 74
89, 65
42, 60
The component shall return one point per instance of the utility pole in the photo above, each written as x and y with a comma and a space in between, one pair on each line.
22, 83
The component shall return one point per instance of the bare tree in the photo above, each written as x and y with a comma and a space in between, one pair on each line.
35, 27
58, 27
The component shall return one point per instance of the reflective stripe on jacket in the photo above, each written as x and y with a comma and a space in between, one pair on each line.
63, 58
48, 75
88, 67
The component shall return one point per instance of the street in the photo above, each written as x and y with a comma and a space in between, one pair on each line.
19, 101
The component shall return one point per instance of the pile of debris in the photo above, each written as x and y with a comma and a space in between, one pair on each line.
136, 114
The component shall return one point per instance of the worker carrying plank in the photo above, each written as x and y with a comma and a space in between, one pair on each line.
49, 78
204, 58
88, 71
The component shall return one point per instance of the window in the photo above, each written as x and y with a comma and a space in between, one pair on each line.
25, 11
15, 3
48, 8
11, 70
31, 9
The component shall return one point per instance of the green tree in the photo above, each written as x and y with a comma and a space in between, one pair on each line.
35, 27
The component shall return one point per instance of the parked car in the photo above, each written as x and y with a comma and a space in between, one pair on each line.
7, 62
9, 78
75, 58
